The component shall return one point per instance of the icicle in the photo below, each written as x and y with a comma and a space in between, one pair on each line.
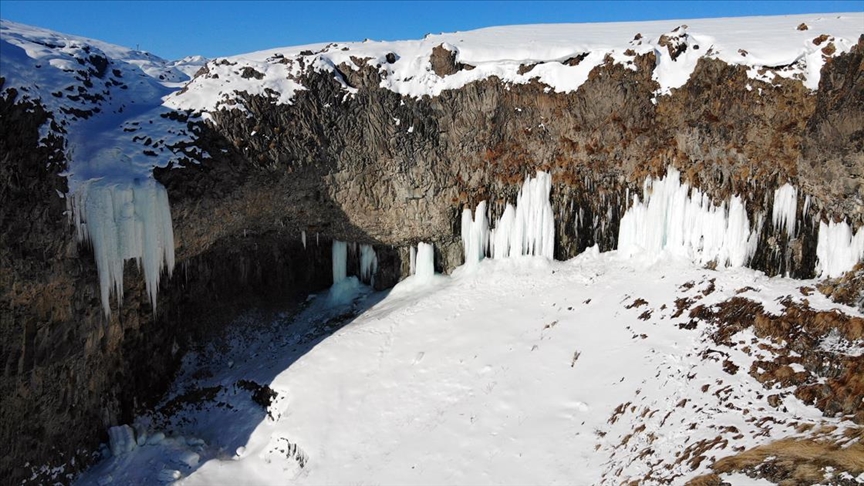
368, 263
425, 261
303, 238
475, 233
534, 223
125, 220
837, 250
527, 229
785, 209
683, 222
340, 261
503, 230
412, 269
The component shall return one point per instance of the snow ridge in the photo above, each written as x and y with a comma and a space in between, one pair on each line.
561, 56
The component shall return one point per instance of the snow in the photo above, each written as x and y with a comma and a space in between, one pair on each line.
785, 209
838, 250
125, 221
770, 45
514, 371
682, 221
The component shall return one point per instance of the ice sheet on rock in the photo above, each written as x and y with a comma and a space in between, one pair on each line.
785, 209
838, 250
122, 221
685, 222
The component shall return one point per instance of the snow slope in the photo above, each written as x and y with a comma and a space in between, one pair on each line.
106, 99
767, 45
511, 371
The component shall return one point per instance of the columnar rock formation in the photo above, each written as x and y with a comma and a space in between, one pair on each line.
351, 159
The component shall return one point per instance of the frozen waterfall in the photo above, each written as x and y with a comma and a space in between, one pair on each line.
123, 221
683, 221
837, 249
368, 263
425, 263
526, 229
340, 261
785, 209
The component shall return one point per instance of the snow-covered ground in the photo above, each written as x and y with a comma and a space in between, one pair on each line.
562, 56
513, 371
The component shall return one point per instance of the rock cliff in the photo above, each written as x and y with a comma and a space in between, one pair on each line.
351, 159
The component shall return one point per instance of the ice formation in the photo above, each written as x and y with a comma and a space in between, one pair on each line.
837, 249
412, 262
785, 209
303, 238
683, 221
425, 264
526, 229
121, 439
340, 261
475, 233
122, 221
368, 263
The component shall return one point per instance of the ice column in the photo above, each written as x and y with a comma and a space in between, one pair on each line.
368, 263
122, 221
837, 249
340, 261
475, 233
685, 222
785, 209
425, 265
526, 229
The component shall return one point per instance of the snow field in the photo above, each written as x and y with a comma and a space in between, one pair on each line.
513, 371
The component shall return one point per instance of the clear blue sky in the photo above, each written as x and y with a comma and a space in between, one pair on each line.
173, 29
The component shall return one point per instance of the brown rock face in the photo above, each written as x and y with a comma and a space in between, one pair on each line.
832, 159
342, 168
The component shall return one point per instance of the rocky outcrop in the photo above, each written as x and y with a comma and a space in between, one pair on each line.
395, 170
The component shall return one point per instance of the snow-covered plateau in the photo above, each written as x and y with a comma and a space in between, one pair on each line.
621, 253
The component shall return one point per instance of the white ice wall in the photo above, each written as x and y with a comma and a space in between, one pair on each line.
122, 221
785, 209
682, 221
425, 261
837, 249
526, 229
